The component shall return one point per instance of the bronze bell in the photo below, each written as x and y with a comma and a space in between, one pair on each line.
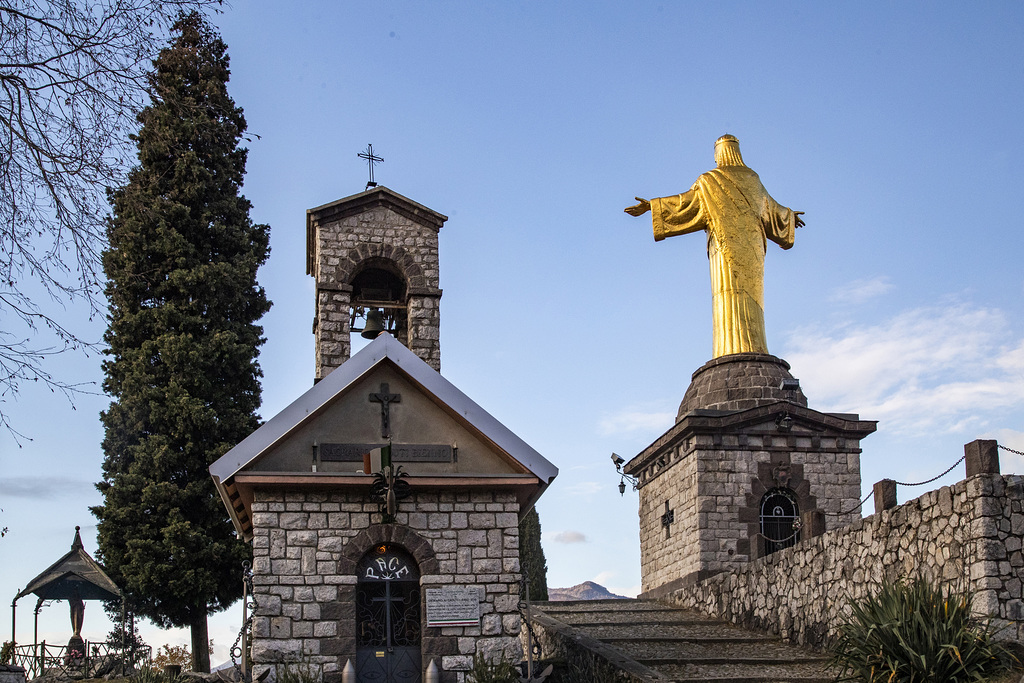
374, 324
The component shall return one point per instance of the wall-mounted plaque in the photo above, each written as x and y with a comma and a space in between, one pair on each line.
453, 606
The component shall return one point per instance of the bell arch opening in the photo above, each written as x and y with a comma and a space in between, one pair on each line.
379, 285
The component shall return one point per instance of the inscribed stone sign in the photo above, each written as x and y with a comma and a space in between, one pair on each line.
453, 606
353, 452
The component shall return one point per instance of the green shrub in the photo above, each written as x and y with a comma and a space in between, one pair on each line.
483, 671
913, 632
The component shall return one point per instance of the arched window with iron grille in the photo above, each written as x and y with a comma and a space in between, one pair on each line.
780, 519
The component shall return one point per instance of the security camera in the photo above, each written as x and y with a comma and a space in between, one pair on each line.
617, 460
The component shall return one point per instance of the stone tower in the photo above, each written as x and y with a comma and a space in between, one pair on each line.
374, 250
747, 469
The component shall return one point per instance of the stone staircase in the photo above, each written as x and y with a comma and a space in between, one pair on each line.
648, 642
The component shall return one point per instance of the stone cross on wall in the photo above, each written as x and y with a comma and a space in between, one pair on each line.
667, 519
385, 400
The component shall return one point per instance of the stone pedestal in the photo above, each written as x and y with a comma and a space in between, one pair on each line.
743, 430
12, 674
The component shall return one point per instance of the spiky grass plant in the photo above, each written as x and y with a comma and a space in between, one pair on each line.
913, 632
302, 670
487, 671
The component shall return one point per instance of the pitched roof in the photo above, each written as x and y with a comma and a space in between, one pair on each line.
76, 574
362, 202
383, 349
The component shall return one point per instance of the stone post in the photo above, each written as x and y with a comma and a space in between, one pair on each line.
885, 495
982, 457
813, 522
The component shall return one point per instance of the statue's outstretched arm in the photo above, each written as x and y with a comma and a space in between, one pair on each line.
638, 209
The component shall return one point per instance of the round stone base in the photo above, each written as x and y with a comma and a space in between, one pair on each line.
739, 381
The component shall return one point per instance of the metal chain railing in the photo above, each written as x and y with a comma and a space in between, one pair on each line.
940, 476
917, 483
797, 526
523, 607
250, 606
843, 513
1006, 448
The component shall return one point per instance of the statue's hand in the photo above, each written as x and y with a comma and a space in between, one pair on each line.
638, 209
799, 221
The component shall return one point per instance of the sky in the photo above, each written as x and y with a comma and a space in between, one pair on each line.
895, 127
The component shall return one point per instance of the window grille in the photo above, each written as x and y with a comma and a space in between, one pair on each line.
780, 517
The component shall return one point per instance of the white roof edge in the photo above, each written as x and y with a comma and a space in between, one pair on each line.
383, 347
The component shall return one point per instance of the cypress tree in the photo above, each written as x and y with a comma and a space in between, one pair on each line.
182, 342
531, 555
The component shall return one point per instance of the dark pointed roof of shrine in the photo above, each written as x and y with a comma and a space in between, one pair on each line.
74, 575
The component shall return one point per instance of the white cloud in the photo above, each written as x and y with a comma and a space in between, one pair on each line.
929, 369
636, 420
569, 537
43, 488
583, 488
859, 291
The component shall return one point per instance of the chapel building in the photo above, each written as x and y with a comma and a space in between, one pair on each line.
389, 572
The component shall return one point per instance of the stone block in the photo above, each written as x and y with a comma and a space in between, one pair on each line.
982, 457
280, 627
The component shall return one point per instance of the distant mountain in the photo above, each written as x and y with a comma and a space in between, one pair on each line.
588, 590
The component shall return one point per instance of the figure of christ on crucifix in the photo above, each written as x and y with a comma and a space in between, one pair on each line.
385, 400
738, 214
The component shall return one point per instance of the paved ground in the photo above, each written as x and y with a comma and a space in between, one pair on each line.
662, 643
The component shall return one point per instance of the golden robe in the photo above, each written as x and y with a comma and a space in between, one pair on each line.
739, 215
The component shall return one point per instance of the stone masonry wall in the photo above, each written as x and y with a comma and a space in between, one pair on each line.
968, 535
663, 558
305, 549
714, 484
375, 235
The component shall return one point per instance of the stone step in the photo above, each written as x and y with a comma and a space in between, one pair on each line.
672, 644
653, 652
745, 673
711, 631
665, 616
628, 605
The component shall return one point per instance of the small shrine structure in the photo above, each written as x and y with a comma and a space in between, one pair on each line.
75, 577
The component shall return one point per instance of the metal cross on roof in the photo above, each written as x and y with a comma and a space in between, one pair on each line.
371, 159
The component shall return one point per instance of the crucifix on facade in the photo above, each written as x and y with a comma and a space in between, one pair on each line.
385, 400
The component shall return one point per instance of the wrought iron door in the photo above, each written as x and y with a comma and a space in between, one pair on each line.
388, 626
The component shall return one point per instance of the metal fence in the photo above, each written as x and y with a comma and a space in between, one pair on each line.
96, 659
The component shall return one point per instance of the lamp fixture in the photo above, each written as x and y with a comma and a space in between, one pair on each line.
618, 461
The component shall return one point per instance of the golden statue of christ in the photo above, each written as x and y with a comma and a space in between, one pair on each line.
731, 204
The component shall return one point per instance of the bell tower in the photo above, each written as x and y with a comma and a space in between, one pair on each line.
374, 251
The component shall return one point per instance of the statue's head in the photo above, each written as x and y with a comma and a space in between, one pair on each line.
727, 151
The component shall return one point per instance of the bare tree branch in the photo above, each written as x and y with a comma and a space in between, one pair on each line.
73, 76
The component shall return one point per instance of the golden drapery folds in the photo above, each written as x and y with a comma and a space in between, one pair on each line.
739, 216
